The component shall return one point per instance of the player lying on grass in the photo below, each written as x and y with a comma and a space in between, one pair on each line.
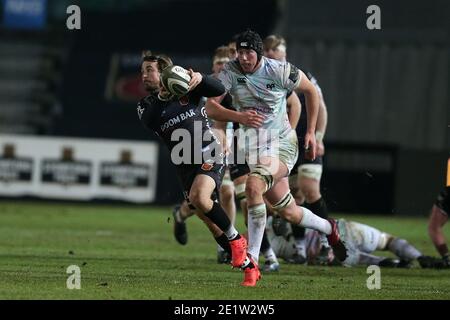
360, 239
168, 116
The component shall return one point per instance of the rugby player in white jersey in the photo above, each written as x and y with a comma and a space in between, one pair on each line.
361, 241
258, 86
237, 174
234, 179
304, 179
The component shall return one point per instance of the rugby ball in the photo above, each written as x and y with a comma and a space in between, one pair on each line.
175, 79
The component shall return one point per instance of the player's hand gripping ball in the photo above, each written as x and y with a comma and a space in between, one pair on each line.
175, 79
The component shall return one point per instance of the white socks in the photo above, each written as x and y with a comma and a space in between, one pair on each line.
269, 255
231, 233
256, 226
310, 220
300, 246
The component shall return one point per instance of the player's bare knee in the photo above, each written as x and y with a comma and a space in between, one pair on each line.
200, 200
310, 191
254, 188
298, 196
289, 214
226, 194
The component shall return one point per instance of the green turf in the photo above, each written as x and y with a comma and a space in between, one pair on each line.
130, 253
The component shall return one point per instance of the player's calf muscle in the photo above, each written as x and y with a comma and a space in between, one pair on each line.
291, 213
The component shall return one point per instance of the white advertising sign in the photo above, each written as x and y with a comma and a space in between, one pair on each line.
78, 169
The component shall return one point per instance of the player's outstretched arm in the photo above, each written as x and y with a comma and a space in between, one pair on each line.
294, 107
206, 86
321, 127
218, 112
312, 107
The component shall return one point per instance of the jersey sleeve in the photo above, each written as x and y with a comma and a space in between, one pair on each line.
227, 102
290, 76
288, 94
147, 113
209, 87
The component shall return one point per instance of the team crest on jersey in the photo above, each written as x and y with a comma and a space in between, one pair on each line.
241, 80
208, 165
184, 100
270, 86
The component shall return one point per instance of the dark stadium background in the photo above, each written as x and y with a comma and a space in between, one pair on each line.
386, 90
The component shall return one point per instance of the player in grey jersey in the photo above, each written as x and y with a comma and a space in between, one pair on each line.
258, 86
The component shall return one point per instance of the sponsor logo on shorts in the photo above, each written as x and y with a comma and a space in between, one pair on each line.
207, 166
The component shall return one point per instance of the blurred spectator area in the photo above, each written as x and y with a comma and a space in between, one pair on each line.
30, 75
386, 90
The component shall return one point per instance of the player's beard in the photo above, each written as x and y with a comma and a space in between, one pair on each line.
150, 88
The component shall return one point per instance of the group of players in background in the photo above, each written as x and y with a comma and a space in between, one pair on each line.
253, 87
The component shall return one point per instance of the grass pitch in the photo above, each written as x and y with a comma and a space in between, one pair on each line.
130, 253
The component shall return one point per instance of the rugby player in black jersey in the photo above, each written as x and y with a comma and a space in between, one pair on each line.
238, 173
200, 167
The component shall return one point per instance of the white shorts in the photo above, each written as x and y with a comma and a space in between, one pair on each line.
310, 170
284, 148
367, 238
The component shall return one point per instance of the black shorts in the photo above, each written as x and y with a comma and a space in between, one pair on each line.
188, 173
302, 160
443, 200
238, 170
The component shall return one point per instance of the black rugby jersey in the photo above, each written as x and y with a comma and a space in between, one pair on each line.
227, 102
186, 113
303, 122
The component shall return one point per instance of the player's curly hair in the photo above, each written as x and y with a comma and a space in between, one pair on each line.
163, 60
222, 52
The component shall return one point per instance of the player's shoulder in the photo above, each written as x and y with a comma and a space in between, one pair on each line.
313, 80
147, 103
274, 66
292, 71
310, 76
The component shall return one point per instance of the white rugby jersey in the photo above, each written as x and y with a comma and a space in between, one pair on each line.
357, 237
263, 91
